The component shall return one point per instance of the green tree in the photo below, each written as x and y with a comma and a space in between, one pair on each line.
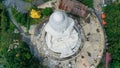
113, 33
19, 57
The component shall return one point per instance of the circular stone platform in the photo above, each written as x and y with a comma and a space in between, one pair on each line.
90, 52
90, 39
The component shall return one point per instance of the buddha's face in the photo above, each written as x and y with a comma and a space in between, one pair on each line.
58, 17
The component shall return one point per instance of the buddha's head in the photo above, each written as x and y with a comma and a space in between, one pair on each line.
59, 21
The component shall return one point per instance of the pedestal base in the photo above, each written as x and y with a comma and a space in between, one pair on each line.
66, 45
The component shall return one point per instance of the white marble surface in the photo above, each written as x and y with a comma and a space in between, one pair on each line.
61, 36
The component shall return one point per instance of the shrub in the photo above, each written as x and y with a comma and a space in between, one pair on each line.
88, 3
46, 11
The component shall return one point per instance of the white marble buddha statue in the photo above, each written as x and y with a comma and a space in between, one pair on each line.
61, 36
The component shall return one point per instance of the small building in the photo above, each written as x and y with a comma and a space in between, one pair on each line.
74, 7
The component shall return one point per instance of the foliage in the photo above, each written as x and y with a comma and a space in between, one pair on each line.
113, 33
47, 0
101, 65
117, 2
20, 17
20, 57
88, 3
114, 64
46, 11
16, 57
28, 0
25, 19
